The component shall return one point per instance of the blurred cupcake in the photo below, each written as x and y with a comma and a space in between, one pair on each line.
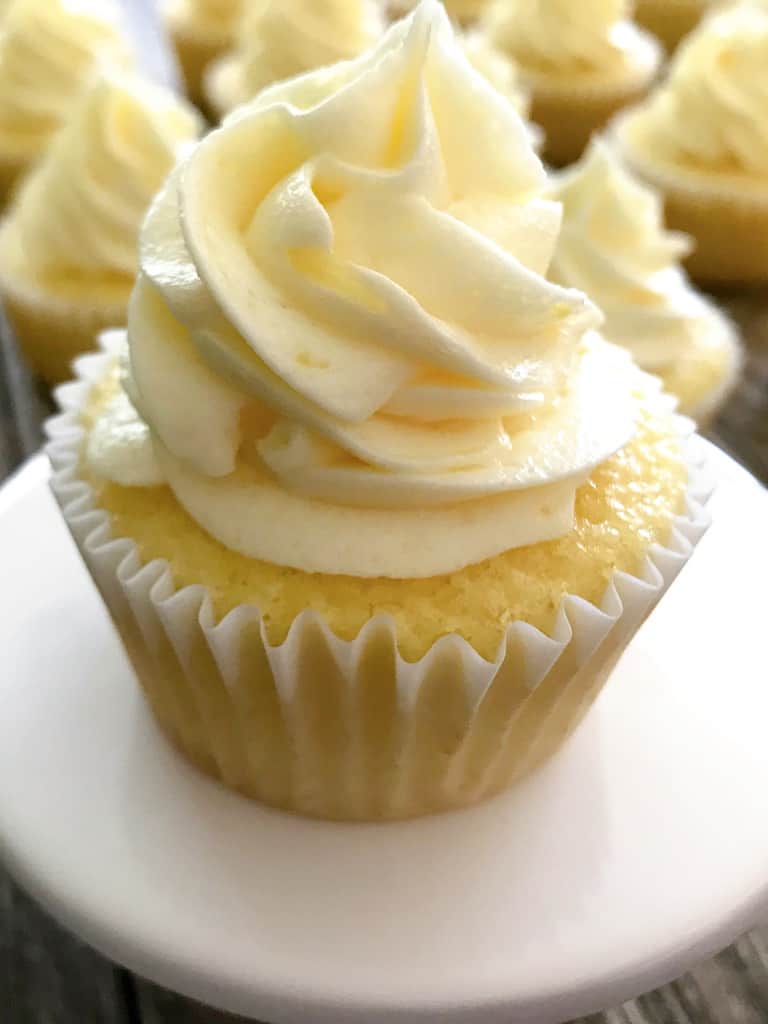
282, 38
613, 247
48, 50
702, 139
671, 20
68, 243
391, 507
202, 30
581, 62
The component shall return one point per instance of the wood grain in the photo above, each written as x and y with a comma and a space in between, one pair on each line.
47, 977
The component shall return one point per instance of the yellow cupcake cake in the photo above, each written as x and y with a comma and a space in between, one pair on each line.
614, 248
372, 504
581, 62
68, 242
48, 50
201, 30
671, 20
702, 139
282, 38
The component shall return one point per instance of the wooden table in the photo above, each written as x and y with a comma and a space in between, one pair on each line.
48, 977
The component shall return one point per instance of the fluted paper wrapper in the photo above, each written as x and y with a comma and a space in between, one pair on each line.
348, 729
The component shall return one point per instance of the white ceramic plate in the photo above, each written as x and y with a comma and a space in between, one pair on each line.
640, 849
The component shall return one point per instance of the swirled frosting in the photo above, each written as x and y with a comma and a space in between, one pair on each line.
282, 38
80, 209
613, 246
497, 67
342, 338
710, 111
558, 35
48, 50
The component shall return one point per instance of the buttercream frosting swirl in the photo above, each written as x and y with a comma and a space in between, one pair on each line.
613, 246
342, 337
547, 35
81, 208
48, 50
710, 111
282, 38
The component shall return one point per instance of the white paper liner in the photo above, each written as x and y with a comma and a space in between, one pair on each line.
457, 727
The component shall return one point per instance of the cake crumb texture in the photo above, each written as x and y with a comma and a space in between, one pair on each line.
627, 505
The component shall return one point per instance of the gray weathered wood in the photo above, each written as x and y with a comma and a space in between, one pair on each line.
47, 977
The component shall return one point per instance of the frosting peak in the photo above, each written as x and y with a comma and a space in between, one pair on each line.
81, 207
710, 112
349, 277
48, 50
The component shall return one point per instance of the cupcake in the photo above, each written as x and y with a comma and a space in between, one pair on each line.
581, 62
702, 139
282, 38
201, 30
373, 505
670, 20
613, 246
48, 49
68, 242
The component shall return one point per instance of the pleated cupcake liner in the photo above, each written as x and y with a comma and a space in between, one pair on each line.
349, 730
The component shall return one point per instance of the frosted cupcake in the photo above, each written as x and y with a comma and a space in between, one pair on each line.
613, 247
282, 38
671, 20
48, 50
68, 243
702, 139
201, 30
427, 505
581, 62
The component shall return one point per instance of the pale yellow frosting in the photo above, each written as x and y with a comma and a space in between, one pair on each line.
497, 67
80, 209
710, 113
282, 38
563, 35
613, 246
348, 278
48, 50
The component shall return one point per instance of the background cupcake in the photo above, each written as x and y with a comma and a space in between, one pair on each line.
463, 12
202, 30
427, 506
581, 62
69, 239
48, 50
702, 139
282, 38
613, 247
